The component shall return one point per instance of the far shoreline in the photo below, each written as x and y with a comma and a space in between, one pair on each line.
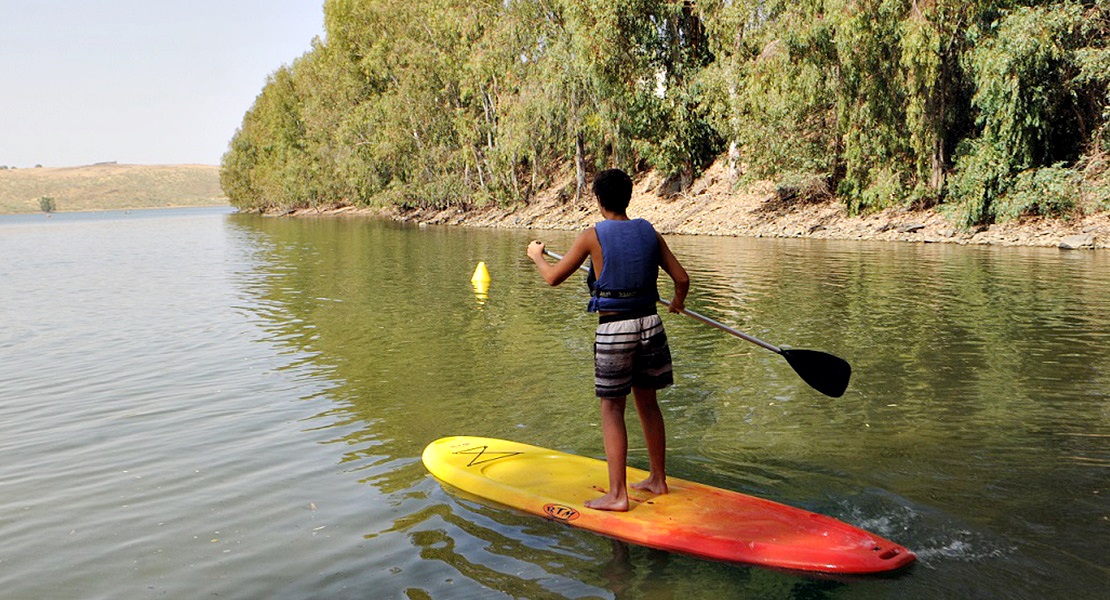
711, 207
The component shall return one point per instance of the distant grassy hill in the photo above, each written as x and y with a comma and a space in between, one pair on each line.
110, 186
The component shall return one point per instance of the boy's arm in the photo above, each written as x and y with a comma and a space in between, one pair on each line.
556, 273
678, 275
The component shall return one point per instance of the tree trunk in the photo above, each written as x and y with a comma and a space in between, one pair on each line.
580, 165
936, 181
733, 162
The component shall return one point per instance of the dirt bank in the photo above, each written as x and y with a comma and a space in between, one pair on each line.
711, 207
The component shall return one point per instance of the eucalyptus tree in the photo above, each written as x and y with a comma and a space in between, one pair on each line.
645, 59
553, 112
264, 163
776, 75
1041, 102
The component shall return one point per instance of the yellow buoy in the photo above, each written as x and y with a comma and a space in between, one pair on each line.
481, 274
481, 291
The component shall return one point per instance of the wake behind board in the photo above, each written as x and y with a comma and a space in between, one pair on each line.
693, 519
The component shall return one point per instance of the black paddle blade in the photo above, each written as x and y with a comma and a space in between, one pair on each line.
824, 372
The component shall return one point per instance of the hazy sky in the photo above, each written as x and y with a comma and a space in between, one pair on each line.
138, 81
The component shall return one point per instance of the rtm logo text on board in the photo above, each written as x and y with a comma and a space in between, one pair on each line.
560, 512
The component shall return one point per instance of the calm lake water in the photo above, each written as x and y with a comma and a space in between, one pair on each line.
202, 404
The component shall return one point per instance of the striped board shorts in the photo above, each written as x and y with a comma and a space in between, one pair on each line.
631, 352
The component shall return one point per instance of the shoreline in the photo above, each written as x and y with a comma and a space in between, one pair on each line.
711, 207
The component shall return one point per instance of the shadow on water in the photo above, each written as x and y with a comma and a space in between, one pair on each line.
973, 432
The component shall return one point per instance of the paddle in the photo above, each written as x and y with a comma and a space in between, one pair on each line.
824, 372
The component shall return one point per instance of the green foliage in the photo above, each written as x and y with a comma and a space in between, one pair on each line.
885, 188
983, 176
778, 76
1048, 191
884, 102
1034, 107
937, 95
870, 98
1022, 79
267, 162
47, 204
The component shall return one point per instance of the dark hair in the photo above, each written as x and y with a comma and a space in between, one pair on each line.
613, 189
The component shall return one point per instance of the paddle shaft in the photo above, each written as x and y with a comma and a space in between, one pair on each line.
697, 316
823, 372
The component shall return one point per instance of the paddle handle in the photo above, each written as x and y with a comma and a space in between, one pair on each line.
697, 316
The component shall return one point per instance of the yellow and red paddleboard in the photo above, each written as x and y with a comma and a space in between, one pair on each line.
693, 519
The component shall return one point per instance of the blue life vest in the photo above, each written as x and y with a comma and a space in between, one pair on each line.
630, 267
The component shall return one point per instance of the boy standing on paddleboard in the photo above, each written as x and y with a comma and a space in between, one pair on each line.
630, 349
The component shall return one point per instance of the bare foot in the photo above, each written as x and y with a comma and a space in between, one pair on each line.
609, 501
653, 484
